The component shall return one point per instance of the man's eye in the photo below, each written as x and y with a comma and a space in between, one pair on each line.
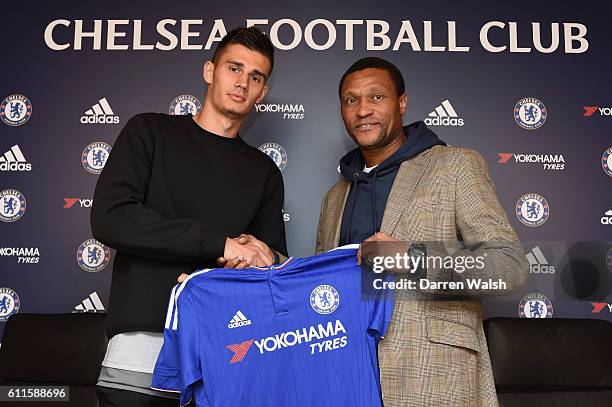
256, 78
378, 96
350, 101
233, 69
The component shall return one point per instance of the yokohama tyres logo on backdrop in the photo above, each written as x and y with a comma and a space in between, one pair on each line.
590, 111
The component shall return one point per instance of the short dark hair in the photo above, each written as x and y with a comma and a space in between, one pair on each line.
378, 63
250, 37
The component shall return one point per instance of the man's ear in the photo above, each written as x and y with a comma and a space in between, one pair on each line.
403, 102
263, 93
209, 71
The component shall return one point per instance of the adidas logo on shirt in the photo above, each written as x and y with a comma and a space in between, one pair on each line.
13, 160
444, 115
100, 113
238, 320
90, 304
538, 263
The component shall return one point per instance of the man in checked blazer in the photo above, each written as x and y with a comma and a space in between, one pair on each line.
405, 184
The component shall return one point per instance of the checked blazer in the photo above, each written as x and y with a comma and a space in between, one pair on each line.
435, 352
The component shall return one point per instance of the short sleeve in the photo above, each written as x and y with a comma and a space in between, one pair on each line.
379, 306
189, 349
178, 365
166, 375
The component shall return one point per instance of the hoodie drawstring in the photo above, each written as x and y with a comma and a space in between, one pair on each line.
348, 232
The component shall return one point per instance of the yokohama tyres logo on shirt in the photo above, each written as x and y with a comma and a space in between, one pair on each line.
319, 332
240, 350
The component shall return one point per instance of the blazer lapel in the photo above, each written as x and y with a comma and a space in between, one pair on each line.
408, 175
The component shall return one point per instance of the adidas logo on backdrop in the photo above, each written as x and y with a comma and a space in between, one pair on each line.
100, 113
90, 304
13, 160
538, 264
444, 115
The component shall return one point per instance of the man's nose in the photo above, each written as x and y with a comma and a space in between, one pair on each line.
364, 109
242, 81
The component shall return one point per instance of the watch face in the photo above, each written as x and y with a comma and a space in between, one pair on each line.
418, 250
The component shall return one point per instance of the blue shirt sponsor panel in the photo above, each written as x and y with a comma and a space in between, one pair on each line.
299, 334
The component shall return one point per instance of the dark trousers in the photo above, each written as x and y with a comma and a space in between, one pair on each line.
108, 397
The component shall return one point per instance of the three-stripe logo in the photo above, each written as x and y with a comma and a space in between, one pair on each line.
100, 113
538, 263
444, 115
238, 320
14, 160
90, 304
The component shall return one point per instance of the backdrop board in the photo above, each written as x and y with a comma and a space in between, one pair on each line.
527, 85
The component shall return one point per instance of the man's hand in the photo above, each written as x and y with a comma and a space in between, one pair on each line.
246, 251
236, 263
380, 244
264, 248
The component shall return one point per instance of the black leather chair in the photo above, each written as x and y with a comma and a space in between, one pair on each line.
54, 349
551, 362
536, 362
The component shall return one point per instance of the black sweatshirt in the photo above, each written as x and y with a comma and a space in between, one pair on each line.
169, 195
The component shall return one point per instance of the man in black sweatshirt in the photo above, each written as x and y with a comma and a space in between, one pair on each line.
174, 196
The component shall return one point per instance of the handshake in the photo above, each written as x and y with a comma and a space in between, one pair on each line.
243, 251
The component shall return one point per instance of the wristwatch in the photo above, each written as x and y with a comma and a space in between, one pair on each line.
419, 250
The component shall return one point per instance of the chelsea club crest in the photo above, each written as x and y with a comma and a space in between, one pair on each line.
532, 210
276, 152
535, 305
92, 255
9, 303
15, 110
184, 105
530, 113
606, 161
12, 205
324, 299
94, 156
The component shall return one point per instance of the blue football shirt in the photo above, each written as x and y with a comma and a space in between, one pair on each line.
299, 334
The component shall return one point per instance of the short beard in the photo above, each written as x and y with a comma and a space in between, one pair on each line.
232, 114
381, 142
